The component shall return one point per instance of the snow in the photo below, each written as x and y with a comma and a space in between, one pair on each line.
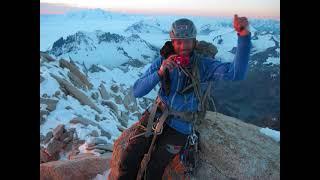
262, 43
229, 39
63, 155
57, 26
83, 149
104, 175
147, 26
43, 106
55, 118
62, 116
110, 127
272, 60
49, 86
52, 27
121, 78
91, 51
114, 75
224, 56
275, 135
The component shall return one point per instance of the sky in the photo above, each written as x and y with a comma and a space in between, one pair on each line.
225, 8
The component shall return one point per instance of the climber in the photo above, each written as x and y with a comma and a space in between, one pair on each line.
185, 79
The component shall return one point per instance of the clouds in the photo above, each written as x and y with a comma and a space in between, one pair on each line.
59, 8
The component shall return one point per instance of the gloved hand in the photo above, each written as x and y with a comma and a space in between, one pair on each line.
169, 64
167, 49
241, 25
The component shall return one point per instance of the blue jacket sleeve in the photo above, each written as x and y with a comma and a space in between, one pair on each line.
235, 70
148, 81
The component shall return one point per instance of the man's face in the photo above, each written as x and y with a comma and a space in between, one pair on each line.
183, 46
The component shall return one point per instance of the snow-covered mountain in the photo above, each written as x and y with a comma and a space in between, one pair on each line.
263, 25
88, 15
104, 48
53, 27
145, 27
92, 14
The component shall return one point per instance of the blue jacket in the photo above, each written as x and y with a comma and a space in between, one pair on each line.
210, 70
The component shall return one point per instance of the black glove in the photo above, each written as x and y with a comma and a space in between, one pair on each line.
167, 50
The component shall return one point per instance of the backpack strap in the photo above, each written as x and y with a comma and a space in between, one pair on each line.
146, 158
195, 84
153, 111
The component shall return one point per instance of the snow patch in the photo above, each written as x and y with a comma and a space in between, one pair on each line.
263, 43
275, 135
102, 176
272, 60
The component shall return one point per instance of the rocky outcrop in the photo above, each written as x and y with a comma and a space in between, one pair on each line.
51, 103
124, 117
54, 147
104, 94
115, 88
81, 167
118, 148
74, 69
95, 95
95, 68
98, 145
43, 115
129, 101
42, 79
229, 149
111, 105
83, 99
87, 122
46, 57
118, 99
47, 138
76, 81
57, 141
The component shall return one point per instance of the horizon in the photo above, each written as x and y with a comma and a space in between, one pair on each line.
52, 7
